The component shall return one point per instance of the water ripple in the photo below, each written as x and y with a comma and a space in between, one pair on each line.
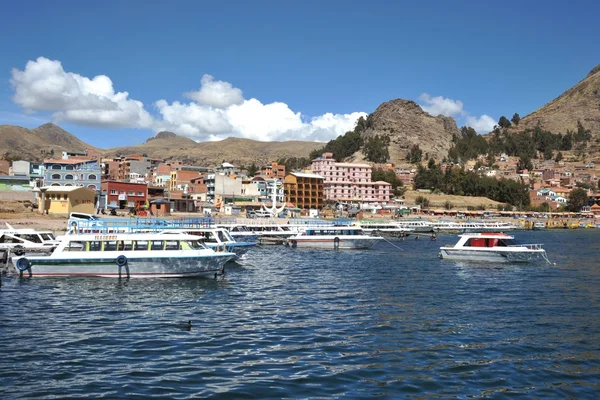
299, 323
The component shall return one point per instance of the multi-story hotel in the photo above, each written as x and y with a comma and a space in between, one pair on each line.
349, 181
72, 172
303, 190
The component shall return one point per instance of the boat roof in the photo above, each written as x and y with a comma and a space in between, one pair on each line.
131, 236
488, 235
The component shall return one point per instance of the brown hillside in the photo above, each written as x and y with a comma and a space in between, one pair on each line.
238, 151
30, 144
407, 125
580, 103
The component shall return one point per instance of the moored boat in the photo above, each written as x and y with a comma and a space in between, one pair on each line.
333, 238
216, 238
138, 255
492, 247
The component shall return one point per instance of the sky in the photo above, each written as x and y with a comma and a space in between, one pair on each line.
114, 73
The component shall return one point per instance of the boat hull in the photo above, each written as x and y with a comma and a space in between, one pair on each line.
332, 244
493, 255
138, 267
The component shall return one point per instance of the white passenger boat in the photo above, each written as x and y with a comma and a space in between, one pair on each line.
418, 225
239, 232
492, 247
386, 229
216, 239
471, 226
21, 240
138, 255
333, 238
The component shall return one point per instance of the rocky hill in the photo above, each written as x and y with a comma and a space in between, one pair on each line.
580, 103
405, 122
36, 144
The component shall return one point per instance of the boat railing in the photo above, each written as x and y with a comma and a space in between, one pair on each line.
131, 225
530, 246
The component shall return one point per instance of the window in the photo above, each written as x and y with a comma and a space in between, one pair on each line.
95, 245
141, 245
75, 246
55, 166
140, 193
55, 184
172, 245
55, 176
113, 191
69, 176
110, 246
156, 245
130, 193
92, 177
69, 168
93, 187
121, 192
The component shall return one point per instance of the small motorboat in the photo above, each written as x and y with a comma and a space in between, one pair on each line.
492, 247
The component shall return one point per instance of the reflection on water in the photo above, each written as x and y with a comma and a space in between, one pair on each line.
300, 323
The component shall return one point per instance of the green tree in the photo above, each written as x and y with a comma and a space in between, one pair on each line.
448, 205
422, 201
503, 122
515, 119
577, 199
376, 149
415, 154
559, 157
252, 169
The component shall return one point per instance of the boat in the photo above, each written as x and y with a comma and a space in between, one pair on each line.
418, 225
216, 239
492, 247
385, 229
139, 255
471, 226
239, 232
333, 237
22, 240
539, 225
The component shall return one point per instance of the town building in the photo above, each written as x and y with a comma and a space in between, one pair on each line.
124, 195
72, 172
63, 200
304, 190
347, 182
274, 171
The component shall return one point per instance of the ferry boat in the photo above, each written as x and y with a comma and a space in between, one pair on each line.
333, 238
216, 239
239, 232
19, 241
418, 226
386, 229
139, 255
539, 225
471, 227
492, 247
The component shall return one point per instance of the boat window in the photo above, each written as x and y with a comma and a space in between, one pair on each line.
30, 237
507, 242
95, 245
141, 245
492, 242
222, 236
75, 246
156, 245
110, 245
125, 245
208, 238
194, 244
48, 236
172, 245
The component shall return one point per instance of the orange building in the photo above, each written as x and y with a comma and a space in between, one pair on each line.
274, 171
304, 190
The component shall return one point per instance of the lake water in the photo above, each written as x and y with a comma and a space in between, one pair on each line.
299, 323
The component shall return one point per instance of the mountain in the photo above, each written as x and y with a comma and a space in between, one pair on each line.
580, 103
36, 144
238, 151
406, 124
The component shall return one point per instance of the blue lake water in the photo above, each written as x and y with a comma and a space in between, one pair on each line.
299, 323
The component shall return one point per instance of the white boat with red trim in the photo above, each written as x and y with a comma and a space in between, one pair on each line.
138, 255
492, 247
333, 237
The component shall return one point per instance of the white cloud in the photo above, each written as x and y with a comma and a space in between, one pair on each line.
45, 86
216, 111
441, 105
453, 108
483, 124
219, 94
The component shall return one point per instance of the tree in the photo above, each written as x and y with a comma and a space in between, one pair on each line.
577, 199
559, 157
524, 163
415, 154
448, 205
252, 169
515, 119
376, 149
503, 122
422, 201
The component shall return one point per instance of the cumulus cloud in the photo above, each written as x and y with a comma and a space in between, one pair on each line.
219, 94
215, 111
441, 105
45, 86
483, 124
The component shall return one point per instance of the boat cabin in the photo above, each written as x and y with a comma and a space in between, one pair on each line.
114, 243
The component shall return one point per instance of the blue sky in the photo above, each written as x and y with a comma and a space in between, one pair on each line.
273, 70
